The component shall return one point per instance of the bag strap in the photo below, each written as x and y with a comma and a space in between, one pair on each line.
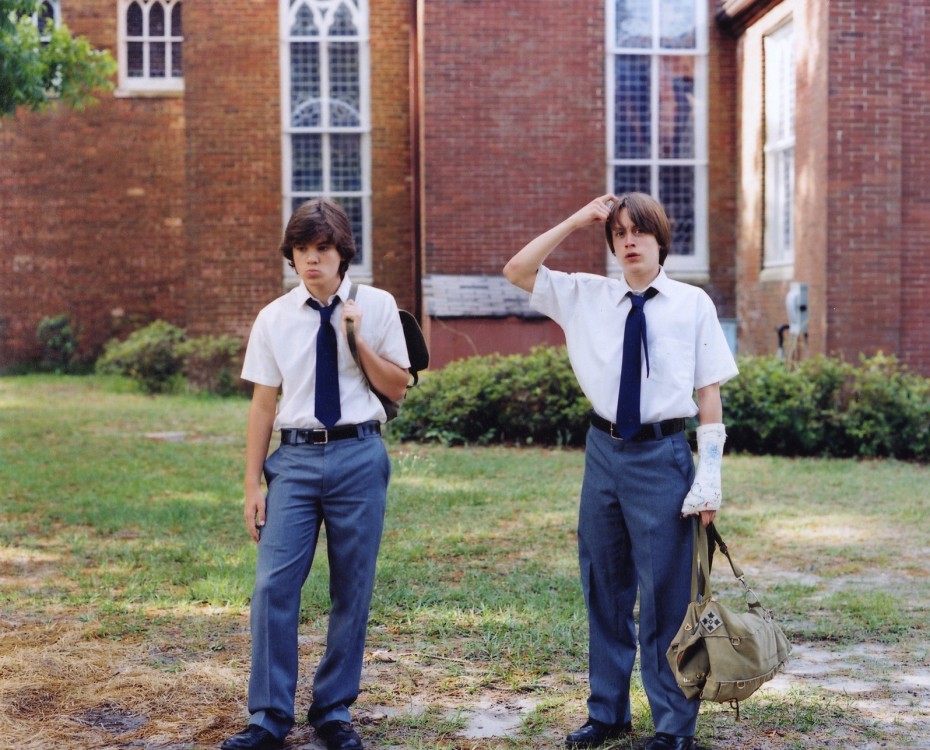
707, 539
350, 335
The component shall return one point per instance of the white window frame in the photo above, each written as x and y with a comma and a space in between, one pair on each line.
55, 6
779, 134
695, 266
323, 10
146, 85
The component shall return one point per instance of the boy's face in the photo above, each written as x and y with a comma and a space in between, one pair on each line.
637, 251
317, 264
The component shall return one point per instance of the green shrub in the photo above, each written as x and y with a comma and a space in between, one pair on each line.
821, 406
210, 363
529, 399
827, 407
150, 356
59, 343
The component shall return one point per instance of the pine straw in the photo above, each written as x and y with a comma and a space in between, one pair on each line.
60, 686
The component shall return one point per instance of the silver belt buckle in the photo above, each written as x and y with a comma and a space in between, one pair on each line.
317, 431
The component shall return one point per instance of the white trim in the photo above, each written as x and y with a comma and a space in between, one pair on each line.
146, 85
778, 147
695, 265
323, 12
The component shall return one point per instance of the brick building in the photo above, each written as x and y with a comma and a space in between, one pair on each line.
786, 139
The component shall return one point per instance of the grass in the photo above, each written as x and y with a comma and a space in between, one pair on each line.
125, 575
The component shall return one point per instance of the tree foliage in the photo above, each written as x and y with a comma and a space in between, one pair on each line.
36, 72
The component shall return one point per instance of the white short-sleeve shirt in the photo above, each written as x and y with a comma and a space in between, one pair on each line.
687, 346
282, 352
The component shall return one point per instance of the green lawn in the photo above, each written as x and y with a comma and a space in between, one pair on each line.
125, 572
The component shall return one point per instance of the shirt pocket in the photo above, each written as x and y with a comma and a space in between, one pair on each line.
671, 361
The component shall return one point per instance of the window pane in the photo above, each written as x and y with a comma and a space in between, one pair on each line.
676, 193
307, 162
157, 20
157, 60
631, 179
134, 60
344, 81
633, 111
176, 28
304, 25
177, 60
634, 23
305, 84
343, 25
676, 107
678, 24
353, 209
134, 20
346, 173
46, 19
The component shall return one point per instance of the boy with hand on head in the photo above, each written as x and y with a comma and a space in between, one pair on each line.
330, 469
639, 490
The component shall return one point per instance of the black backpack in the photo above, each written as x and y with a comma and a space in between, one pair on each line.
417, 352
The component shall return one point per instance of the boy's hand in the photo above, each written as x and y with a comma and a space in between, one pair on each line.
353, 312
254, 513
596, 212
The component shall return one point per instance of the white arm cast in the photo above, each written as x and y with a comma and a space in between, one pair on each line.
705, 492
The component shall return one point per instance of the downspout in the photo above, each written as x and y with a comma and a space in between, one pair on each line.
417, 192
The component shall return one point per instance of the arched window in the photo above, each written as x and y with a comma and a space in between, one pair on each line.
151, 46
48, 17
326, 113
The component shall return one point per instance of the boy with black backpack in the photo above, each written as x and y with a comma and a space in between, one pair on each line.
331, 468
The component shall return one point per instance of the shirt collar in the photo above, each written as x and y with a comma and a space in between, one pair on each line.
659, 283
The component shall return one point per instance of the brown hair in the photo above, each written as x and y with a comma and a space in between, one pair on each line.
648, 215
319, 220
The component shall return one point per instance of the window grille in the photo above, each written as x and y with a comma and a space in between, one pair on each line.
779, 146
657, 115
151, 49
326, 112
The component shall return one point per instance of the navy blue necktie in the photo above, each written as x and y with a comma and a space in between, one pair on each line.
326, 396
634, 342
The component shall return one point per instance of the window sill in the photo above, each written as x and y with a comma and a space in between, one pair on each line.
772, 274
124, 92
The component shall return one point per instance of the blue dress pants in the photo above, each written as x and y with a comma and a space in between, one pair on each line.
631, 537
342, 485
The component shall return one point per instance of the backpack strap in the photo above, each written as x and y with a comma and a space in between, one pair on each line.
350, 333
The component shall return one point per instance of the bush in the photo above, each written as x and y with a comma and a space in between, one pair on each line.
59, 343
529, 399
150, 356
820, 407
210, 363
827, 407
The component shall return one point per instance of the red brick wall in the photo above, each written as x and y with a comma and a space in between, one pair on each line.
91, 212
233, 162
915, 186
515, 130
394, 266
722, 142
145, 208
861, 204
865, 254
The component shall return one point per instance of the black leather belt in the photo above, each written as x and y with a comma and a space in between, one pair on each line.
321, 436
653, 431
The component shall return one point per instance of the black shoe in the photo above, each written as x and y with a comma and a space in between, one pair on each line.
663, 741
594, 733
339, 735
253, 738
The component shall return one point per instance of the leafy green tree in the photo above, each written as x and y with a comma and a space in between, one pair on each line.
39, 69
